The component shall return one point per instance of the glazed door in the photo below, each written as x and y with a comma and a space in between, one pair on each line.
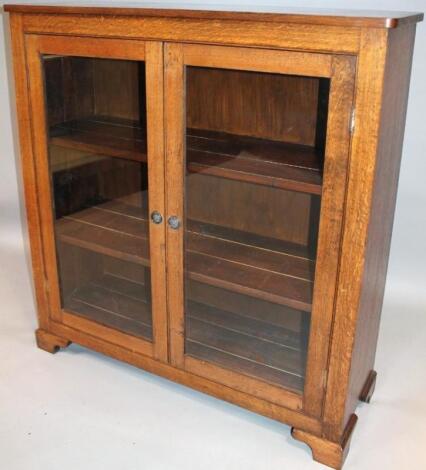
98, 138
257, 145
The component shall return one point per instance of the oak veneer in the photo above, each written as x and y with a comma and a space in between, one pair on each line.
363, 18
305, 117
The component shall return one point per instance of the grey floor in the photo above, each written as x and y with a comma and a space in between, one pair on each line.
80, 410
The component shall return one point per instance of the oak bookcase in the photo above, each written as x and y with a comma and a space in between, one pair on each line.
210, 196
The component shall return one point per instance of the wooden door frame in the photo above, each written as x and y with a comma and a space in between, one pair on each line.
340, 69
122, 49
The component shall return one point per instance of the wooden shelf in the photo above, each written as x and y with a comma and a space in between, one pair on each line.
260, 161
256, 266
281, 165
120, 138
251, 347
114, 302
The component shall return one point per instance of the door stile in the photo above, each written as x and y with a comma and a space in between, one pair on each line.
175, 158
155, 123
39, 136
331, 223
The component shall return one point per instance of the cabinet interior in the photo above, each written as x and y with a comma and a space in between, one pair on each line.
255, 146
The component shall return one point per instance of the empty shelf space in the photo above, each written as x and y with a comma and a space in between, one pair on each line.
260, 161
120, 138
250, 347
118, 229
114, 302
271, 163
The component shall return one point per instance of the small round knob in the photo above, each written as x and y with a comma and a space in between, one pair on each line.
156, 217
173, 222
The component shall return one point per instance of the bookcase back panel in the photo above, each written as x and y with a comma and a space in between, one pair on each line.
269, 106
119, 89
263, 210
69, 81
81, 88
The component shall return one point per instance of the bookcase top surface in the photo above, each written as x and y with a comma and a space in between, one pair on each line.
328, 17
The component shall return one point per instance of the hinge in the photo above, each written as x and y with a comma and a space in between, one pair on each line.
352, 122
46, 285
324, 379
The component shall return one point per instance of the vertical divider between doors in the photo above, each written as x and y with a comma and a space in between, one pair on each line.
156, 183
174, 85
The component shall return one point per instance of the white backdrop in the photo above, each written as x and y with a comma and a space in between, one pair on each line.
171, 424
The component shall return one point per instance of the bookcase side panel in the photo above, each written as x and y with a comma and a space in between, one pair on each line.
393, 113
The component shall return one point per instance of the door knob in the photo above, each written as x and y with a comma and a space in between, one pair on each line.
156, 217
173, 222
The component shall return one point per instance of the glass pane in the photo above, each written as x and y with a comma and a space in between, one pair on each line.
255, 151
97, 156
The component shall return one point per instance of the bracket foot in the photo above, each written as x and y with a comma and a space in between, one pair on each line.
332, 454
369, 386
50, 342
